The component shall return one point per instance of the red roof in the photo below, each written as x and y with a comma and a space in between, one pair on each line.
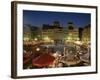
43, 60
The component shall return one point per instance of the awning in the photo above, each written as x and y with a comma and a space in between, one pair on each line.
43, 60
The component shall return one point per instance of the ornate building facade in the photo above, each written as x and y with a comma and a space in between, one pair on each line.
26, 33
72, 33
86, 34
58, 34
52, 33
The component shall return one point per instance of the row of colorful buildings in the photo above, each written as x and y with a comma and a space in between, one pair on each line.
55, 33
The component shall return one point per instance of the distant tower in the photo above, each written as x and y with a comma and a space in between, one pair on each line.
80, 33
72, 32
70, 26
56, 23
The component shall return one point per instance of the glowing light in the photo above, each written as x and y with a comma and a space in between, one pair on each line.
46, 38
37, 49
69, 38
55, 54
52, 40
80, 53
78, 42
35, 39
26, 39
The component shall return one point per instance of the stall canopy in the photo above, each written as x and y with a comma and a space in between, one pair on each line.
43, 60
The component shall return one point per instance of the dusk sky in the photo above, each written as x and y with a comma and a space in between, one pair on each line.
38, 18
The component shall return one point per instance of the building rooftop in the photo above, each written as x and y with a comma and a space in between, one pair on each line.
47, 26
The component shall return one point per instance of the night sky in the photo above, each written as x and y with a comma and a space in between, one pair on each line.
38, 18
